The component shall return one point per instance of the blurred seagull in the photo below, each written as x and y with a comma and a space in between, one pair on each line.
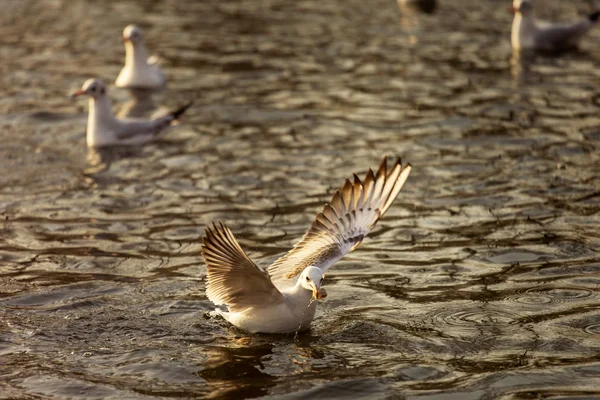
139, 72
104, 129
282, 299
527, 33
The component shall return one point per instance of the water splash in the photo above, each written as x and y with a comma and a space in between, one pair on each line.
312, 300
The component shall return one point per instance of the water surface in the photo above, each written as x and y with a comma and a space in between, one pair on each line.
481, 282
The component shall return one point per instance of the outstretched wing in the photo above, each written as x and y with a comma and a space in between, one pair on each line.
343, 223
233, 279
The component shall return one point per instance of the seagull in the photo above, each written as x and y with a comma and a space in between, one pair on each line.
104, 129
282, 298
527, 33
139, 72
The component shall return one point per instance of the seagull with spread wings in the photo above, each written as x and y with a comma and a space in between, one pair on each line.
282, 298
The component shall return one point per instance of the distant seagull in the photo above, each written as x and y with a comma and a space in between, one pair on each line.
140, 71
282, 299
104, 129
527, 33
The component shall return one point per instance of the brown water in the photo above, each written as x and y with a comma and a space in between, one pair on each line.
481, 282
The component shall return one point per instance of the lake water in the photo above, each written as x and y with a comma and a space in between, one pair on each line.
482, 280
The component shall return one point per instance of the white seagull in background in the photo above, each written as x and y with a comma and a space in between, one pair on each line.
527, 33
140, 71
104, 129
282, 299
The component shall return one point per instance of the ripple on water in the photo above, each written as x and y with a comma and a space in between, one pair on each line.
473, 320
102, 287
69, 294
370, 389
55, 387
479, 317
592, 329
419, 373
552, 295
514, 256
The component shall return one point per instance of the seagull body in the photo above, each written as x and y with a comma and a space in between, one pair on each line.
104, 129
282, 299
293, 311
140, 71
527, 33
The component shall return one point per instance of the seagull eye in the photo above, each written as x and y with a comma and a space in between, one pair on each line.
307, 279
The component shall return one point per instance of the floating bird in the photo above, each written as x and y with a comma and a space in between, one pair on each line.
104, 129
140, 71
527, 33
282, 299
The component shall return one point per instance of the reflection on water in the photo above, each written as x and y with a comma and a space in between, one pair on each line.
140, 105
480, 282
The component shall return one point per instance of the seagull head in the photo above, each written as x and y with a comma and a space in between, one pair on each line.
523, 7
133, 34
311, 279
92, 87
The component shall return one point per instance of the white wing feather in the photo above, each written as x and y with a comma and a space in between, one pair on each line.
233, 279
343, 223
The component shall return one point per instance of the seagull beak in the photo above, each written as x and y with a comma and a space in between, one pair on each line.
318, 293
78, 93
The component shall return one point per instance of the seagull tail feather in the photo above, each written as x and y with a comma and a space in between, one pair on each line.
177, 113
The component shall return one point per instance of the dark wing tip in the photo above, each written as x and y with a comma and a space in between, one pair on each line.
382, 171
206, 241
210, 234
370, 174
347, 186
208, 230
177, 113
